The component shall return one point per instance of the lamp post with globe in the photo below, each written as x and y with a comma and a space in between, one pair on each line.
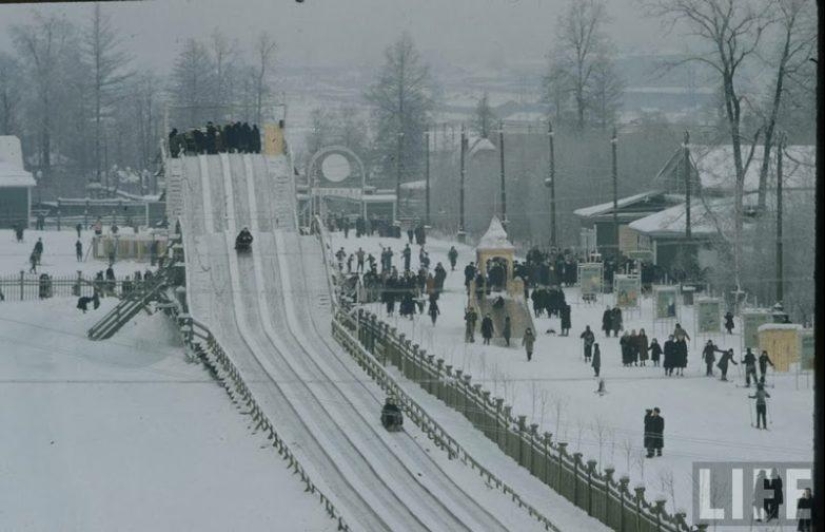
550, 182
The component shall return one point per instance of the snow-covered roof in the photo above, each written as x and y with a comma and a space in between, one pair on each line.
495, 237
716, 171
780, 326
419, 184
12, 173
602, 208
672, 221
479, 144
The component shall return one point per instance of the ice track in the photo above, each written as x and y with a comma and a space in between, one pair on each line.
270, 311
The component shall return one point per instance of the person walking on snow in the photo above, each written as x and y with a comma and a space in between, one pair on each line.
657, 428
565, 320
642, 346
723, 363
764, 360
38, 250
647, 439
589, 339
452, 255
597, 359
508, 330
761, 405
708, 355
607, 321
470, 318
527, 341
616, 321
670, 356
487, 329
433, 311
655, 352
78, 249
750, 367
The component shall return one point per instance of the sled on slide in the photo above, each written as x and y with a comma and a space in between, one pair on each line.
391, 417
243, 243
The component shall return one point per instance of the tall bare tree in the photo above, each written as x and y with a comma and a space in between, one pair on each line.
606, 91
731, 31
265, 53
109, 67
580, 42
11, 96
192, 88
401, 100
224, 57
41, 46
796, 42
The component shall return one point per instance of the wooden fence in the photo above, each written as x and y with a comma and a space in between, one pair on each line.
29, 286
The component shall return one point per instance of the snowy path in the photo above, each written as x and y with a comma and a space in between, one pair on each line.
379, 481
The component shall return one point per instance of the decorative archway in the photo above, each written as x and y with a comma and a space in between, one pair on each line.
330, 173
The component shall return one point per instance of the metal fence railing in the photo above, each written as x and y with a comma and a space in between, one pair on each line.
30, 286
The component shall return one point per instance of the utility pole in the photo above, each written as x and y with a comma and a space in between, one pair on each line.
687, 188
398, 171
427, 182
779, 266
551, 184
613, 142
461, 233
501, 160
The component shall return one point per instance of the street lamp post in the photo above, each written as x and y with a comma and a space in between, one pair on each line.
461, 233
427, 182
551, 184
780, 293
503, 190
613, 143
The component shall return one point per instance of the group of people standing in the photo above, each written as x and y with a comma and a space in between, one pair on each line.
235, 137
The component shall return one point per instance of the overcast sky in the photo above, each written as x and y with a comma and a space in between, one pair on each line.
324, 32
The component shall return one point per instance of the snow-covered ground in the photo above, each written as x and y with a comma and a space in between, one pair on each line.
124, 434
706, 419
59, 255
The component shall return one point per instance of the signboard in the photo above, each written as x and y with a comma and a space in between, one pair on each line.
590, 278
807, 350
627, 289
708, 315
641, 254
665, 302
628, 239
750, 327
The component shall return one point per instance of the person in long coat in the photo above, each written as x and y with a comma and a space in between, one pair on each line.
597, 359
778, 499
616, 321
648, 433
670, 356
655, 351
805, 512
657, 427
729, 322
433, 311
642, 346
487, 329
624, 343
470, 317
565, 319
527, 341
607, 321
508, 330
633, 347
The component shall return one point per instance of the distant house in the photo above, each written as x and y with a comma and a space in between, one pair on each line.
15, 184
656, 220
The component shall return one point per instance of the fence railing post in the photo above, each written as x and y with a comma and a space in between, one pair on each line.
608, 482
591, 468
22, 274
623, 482
640, 497
577, 460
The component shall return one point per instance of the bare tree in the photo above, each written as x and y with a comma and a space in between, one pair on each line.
557, 87
600, 430
581, 40
224, 57
265, 50
11, 96
192, 88
484, 118
108, 66
731, 31
41, 47
401, 99
797, 42
607, 91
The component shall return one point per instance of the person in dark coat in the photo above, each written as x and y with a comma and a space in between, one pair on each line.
727, 357
648, 433
469, 275
709, 356
470, 318
589, 339
487, 329
452, 255
805, 509
761, 406
670, 356
764, 361
642, 346
433, 311
616, 321
597, 359
624, 344
778, 498
565, 320
607, 321
750, 367
78, 250
729, 322
657, 428
655, 352
508, 330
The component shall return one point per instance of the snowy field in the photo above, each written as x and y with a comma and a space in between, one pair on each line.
124, 434
59, 255
705, 419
